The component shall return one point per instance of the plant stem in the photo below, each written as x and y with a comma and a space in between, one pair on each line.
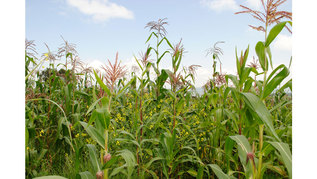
106, 152
265, 60
261, 127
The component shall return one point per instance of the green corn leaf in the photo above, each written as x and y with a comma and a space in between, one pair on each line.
282, 103
233, 78
94, 157
228, 150
274, 32
244, 147
94, 96
178, 62
160, 58
93, 117
26, 137
162, 78
129, 158
152, 33
127, 133
280, 67
166, 42
269, 53
238, 63
50, 177
155, 69
248, 84
69, 54
192, 172
285, 152
245, 57
275, 81
94, 134
110, 162
126, 86
152, 173
200, 172
245, 74
138, 63
256, 105
92, 106
67, 98
148, 67
117, 170
153, 141
104, 117
260, 51
287, 85
277, 169
219, 173
34, 69
147, 165
85, 175
103, 86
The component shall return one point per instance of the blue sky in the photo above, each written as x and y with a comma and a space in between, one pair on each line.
100, 28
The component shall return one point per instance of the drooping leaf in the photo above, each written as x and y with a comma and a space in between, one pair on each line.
92, 106
94, 134
192, 172
94, 157
287, 85
129, 158
285, 152
160, 58
256, 105
50, 177
85, 175
277, 169
219, 173
152, 33
233, 78
273, 82
169, 44
244, 147
147, 165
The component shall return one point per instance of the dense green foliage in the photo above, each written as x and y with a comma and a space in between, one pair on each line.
82, 123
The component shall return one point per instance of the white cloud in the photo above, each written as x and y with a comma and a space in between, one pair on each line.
283, 42
220, 5
254, 4
95, 64
202, 76
101, 10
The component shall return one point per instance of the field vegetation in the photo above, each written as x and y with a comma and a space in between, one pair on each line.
117, 123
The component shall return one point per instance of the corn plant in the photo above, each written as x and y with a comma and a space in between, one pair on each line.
85, 123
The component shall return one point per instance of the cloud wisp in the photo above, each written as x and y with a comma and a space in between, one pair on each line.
283, 42
101, 10
231, 5
220, 5
256, 4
